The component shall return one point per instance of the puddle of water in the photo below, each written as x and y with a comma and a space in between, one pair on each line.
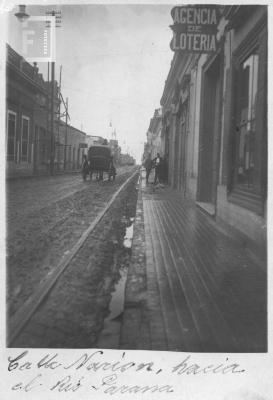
117, 301
109, 337
127, 241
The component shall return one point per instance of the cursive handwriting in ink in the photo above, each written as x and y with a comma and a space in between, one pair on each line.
147, 366
66, 385
84, 359
110, 385
186, 368
48, 362
14, 362
29, 386
91, 363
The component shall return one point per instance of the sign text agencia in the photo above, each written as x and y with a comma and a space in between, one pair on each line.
195, 28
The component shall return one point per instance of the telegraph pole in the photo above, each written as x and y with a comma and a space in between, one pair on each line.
52, 137
59, 118
65, 138
52, 111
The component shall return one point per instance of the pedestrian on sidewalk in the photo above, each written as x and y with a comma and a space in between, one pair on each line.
85, 167
148, 164
158, 166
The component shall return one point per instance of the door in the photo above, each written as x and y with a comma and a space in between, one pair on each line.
209, 134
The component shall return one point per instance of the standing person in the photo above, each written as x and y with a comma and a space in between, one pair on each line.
157, 163
85, 167
148, 166
112, 169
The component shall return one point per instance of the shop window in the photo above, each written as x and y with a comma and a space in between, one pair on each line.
246, 121
24, 138
11, 136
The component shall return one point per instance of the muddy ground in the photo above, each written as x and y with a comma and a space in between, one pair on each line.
73, 314
45, 217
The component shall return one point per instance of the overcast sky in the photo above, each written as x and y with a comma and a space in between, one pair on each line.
115, 60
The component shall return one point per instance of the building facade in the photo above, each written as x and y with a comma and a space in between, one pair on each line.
69, 147
29, 140
115, 150
214, 123
27, 111
154, 143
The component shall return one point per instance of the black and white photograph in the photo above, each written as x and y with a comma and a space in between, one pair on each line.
136, 182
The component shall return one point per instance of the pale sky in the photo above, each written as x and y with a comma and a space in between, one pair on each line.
115, 60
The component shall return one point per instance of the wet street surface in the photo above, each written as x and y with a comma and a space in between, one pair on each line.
73, 314
45, 217
187, 283
193, 285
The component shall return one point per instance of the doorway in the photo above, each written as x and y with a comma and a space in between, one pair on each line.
210, 126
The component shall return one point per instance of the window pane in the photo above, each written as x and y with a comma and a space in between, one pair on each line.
251, 65
24, 148
25, 129
11, 134
11, 126
10, 147
245, 136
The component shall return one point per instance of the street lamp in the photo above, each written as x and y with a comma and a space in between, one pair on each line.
22, 15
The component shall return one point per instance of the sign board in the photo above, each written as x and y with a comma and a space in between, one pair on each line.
195, 28
83, 145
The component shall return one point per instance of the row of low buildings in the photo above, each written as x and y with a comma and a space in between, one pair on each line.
154, 142
30, 144
212, 125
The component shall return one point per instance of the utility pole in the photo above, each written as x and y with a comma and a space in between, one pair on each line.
47, 118
52, 137
59, 116
65, 139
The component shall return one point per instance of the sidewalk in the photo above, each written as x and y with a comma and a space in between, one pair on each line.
191, 286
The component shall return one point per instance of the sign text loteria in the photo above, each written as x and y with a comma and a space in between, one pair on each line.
195, 29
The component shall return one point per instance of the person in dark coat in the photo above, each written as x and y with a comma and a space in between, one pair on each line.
112, 169
158, 167
148, 164
85, 167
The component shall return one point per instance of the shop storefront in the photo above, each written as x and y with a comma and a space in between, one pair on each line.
242, 188
215, 118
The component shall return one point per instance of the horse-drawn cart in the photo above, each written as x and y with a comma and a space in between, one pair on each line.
99, 160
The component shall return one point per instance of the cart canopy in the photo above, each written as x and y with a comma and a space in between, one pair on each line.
99, 158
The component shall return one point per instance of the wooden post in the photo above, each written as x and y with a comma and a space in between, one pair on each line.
65, 142
52, 138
